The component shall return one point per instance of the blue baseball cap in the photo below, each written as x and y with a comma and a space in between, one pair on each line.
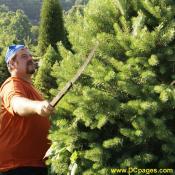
11, 51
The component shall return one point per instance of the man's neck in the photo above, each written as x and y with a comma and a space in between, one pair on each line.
23, 77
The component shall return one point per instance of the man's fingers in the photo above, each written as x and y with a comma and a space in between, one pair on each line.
45, 109
49, 107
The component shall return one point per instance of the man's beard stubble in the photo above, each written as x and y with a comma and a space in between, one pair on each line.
30, 67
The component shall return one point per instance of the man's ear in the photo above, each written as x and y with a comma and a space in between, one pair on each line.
12, 64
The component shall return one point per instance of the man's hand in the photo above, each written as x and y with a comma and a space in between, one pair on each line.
44, 108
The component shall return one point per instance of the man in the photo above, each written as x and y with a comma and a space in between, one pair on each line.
24, 122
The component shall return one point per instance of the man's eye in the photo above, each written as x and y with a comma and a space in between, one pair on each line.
24, 56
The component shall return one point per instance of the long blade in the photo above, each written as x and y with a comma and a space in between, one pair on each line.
70, 83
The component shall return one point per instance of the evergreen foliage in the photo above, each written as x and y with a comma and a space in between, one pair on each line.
51, 25
44, 81
15, 28
121, 112
3, 70
30, 7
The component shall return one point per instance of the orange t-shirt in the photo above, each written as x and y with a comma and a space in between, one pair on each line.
23, 140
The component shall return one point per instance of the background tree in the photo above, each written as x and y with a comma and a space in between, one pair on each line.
34, 34
44, 81
121, 112
30, 7
3, 70
15, 28
51, 26
35, 5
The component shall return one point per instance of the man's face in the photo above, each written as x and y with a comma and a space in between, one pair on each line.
24, 62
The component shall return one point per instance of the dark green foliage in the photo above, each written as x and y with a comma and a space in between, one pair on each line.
3, 70
44, 81
34, 33
30, 7
15, 28
51, 26
121, 112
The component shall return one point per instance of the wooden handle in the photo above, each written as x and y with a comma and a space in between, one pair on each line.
61, 94
70, 83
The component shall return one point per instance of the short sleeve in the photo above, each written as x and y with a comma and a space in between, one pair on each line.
11, 89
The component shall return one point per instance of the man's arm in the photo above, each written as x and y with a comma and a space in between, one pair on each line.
0, 105
26, 107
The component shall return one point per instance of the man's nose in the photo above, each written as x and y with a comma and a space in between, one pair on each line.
30, 57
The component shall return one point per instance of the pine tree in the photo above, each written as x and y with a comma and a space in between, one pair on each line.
121, 112
43, 80
51, 25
